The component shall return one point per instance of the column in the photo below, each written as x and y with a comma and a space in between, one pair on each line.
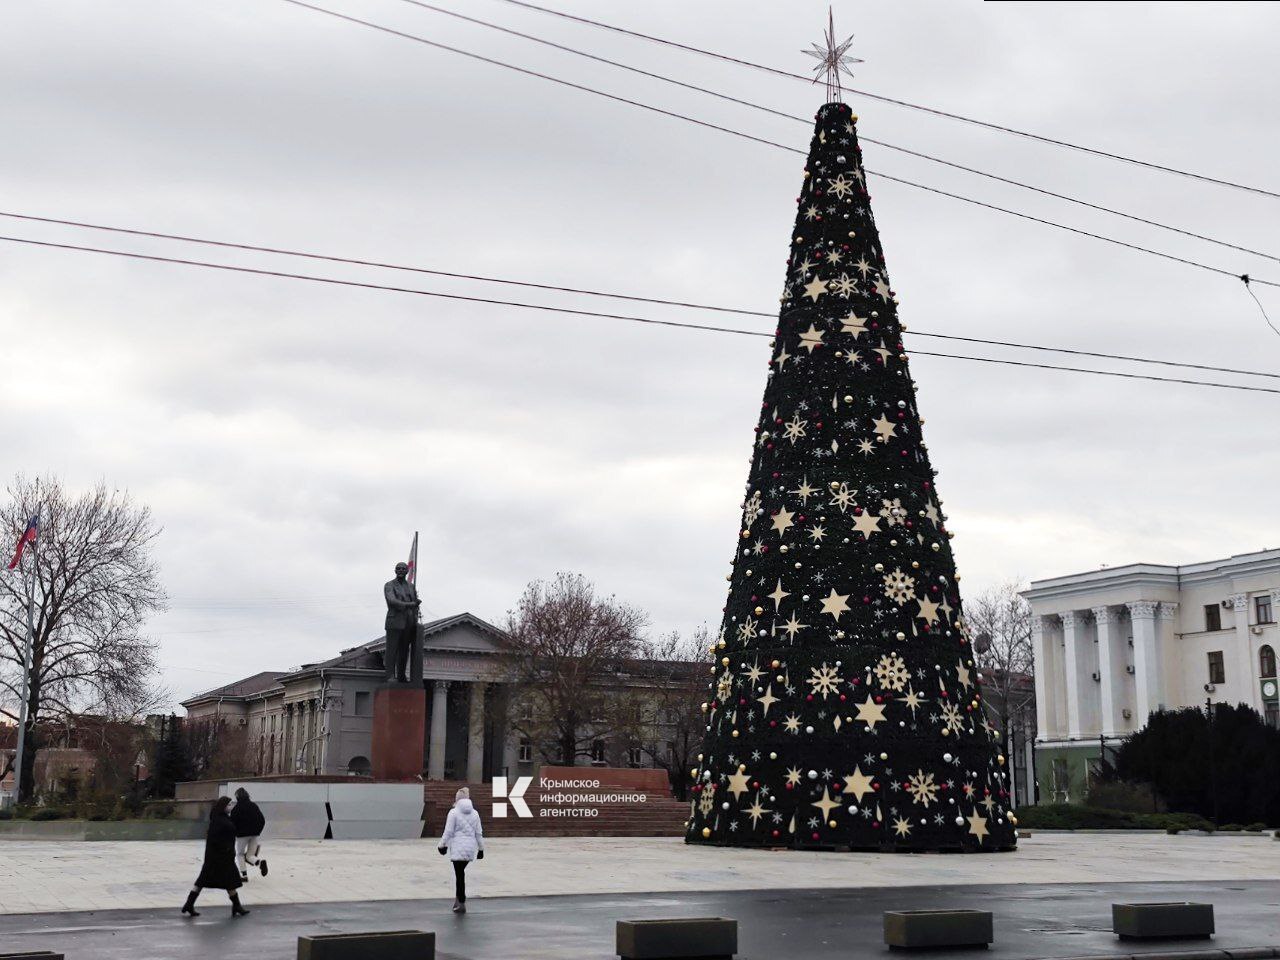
1111, 661
1043, 659
510, 737
1077, 670
1146, 660
475, 733
439, 707
1170, 653
1242, 686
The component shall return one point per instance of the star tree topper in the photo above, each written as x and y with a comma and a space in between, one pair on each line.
833, 59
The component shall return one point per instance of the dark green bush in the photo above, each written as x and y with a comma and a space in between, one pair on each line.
1231, 828
1256, 827
49, 813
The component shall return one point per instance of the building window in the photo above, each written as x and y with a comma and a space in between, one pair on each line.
526, 751
1262, 607
363, 708
1212, 616
1272, 714
633, 756
1266, 661
671, 751
526, 711
1217, 672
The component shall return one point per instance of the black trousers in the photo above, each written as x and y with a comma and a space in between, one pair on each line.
398, 657
460, 880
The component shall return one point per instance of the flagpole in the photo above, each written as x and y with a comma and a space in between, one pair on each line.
26, 669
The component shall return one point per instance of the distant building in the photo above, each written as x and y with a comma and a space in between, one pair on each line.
1114, 645
318, 719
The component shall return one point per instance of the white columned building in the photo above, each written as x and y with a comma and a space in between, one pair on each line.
1116, 644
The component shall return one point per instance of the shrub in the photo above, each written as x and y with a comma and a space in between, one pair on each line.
49, 813
1231, 828
1256, 827
1127, 797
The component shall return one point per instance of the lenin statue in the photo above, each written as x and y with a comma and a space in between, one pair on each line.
402, 624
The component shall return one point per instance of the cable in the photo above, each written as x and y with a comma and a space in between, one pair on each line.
881, 143
584, 313
594, 293
904, 103
1247, 281
771, 143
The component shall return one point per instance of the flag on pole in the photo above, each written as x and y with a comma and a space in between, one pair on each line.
29, 536
412, 561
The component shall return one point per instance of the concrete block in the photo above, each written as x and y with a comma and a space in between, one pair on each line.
376, 829
389, 945
938, 928
683, 937
1149, 921
312, 829
355, 810
362, 792
293, 810
288, 792
37, 955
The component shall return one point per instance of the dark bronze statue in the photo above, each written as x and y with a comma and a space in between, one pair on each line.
402, 626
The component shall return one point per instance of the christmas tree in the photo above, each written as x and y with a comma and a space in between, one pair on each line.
844, 708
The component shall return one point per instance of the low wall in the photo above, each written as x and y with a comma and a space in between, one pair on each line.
101, 830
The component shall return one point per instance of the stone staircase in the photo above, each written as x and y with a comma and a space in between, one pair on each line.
658, 815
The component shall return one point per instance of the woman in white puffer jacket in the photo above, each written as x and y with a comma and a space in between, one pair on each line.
462, 841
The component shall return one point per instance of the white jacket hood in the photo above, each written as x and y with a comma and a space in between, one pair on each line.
464, 807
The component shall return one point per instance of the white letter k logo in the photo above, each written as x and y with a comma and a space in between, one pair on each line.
516, 796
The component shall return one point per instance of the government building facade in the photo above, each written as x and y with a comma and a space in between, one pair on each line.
318, 719
1113, 645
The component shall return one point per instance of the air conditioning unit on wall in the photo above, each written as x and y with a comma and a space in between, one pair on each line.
1256, 631
1097, 677
1127, 713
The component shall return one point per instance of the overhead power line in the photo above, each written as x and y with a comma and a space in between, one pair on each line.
555, 288
865, 139
903, 103
747, 136
313, 278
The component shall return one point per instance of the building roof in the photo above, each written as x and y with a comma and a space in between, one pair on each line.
247, 687
1156, 573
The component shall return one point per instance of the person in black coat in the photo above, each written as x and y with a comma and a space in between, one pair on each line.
249, 822
219, 867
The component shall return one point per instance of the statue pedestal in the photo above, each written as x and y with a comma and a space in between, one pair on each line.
399, 731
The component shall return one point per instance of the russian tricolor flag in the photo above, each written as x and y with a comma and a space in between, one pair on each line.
28, 536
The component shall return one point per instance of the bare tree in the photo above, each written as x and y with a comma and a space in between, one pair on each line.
566, 648
669, 722
95, 584
999, 622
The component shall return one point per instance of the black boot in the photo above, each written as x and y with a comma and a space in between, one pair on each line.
189, 907
236, 909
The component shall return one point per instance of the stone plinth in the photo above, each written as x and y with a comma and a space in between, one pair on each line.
399, 731
1162, 921
684, 937
392, 945
937, 928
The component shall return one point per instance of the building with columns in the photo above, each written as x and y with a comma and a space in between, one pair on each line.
318, 718
1116, 644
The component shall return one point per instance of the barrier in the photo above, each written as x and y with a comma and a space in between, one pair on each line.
388, 945
684, 937
909, 929
1150, 921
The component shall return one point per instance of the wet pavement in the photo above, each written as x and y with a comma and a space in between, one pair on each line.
1031, 921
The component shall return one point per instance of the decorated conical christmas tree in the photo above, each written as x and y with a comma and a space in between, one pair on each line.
844, 707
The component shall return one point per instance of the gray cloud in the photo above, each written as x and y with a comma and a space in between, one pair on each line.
291, 436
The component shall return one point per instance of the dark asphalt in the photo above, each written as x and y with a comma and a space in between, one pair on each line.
1041, 921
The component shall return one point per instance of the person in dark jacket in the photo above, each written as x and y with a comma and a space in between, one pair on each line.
219, 867
249, 823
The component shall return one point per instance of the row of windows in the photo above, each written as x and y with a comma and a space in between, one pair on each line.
1266, 665
635, 755
1262, 613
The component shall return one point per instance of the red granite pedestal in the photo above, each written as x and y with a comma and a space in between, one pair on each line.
399, 731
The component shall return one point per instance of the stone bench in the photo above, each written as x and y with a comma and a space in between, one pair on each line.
684, 937
1150, 921
390, 945
906, 929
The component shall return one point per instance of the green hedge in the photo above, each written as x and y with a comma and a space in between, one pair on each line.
1064, 816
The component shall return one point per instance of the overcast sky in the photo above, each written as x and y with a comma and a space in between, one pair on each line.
290, 437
